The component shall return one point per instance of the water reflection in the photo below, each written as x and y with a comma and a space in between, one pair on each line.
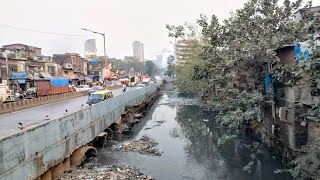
189, 138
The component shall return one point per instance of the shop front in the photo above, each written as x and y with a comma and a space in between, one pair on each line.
18, 81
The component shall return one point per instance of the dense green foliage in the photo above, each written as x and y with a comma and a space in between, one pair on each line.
151, 68
131, 64
228, 64
171, 69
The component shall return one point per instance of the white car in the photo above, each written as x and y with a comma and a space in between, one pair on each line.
82, 88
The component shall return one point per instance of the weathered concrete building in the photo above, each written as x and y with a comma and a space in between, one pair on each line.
72, 65
289, 119
24, 64
24, 51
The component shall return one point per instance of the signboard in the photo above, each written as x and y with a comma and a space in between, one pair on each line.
19, 75
21, 81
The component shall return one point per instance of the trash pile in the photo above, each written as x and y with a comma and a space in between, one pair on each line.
145, 145
91, 172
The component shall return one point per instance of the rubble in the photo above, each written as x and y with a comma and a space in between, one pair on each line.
138, 116
145, 145
91, 171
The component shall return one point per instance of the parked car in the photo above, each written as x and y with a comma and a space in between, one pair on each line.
82, 88
95, 89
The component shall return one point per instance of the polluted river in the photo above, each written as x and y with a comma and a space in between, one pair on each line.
179, 141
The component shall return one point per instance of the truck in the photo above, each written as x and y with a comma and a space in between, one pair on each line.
146, 81
52, 86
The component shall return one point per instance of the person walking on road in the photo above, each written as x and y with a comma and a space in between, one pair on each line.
124, 88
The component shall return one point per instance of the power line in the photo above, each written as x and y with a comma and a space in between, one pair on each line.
37, 31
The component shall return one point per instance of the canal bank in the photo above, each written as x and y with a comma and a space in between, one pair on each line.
187, 136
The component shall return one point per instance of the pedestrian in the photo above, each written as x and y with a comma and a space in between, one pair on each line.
123, 88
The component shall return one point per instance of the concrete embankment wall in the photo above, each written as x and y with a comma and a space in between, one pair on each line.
28, 103
30, 153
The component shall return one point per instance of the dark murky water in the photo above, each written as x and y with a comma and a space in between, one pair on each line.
190, 147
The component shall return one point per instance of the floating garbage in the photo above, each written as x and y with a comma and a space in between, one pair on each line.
145, 145
88, 171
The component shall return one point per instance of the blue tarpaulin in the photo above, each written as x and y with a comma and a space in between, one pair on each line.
93, 61
297, 50
266, 82
306, 55
59, 82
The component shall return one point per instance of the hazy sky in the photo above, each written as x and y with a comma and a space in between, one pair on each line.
123, 21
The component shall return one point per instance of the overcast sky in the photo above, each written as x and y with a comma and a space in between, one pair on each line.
123, 21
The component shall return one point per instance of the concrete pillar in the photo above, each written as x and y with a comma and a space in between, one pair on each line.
66, 164
76, 158
57, 171
46, 175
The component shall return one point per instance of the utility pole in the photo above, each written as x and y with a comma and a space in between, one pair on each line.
104, 47
104, 43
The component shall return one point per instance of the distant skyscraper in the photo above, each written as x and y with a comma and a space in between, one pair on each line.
138, 50
159, 61
90, 49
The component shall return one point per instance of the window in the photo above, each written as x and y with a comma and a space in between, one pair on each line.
95, 97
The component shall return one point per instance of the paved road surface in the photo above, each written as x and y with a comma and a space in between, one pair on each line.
28, 117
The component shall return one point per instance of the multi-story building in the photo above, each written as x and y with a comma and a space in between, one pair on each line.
23, 51
72, 65
138, 50
158, 61
95, 69
90, 49
20, 64
183, 50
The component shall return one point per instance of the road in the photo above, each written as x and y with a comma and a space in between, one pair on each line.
9, 123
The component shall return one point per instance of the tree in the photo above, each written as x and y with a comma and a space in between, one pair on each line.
151, 68
171, 66
170, 60
227, 69
133, 64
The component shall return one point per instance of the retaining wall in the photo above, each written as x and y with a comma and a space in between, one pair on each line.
30, 153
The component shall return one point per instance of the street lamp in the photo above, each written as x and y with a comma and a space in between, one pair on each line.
104, 42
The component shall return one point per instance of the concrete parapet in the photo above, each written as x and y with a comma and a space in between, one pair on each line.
28, 103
